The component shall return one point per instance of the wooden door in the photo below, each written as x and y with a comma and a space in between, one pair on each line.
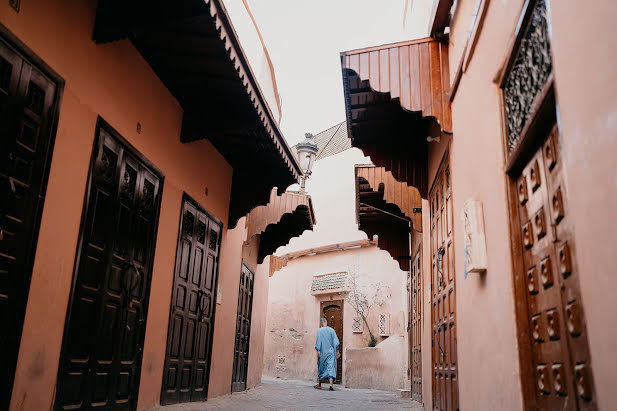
560, 353
243, 330
191, 319
445, 371
333, 312
29, 105
415, 354
101, 356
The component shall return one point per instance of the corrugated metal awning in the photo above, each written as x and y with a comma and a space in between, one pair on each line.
284, 217
396, 96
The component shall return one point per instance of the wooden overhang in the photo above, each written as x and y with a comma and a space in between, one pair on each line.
396, 96
192, 47
387, 208
284, 217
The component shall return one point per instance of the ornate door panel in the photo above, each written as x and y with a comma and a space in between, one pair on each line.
101, 356
333, 312
28, 106
191, 320
243, 330
416, 327
560, 353
445, 374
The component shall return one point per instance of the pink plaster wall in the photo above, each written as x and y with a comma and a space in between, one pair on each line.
111, 80
379, 367
293, 313
585, 72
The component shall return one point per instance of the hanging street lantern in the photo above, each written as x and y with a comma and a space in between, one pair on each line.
307, 152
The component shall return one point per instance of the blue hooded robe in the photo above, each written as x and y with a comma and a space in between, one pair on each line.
327, 344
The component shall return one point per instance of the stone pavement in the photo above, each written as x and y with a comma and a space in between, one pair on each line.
276, 394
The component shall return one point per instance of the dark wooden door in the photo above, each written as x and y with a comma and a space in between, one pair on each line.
333, 312
560, 353
101, 356
191, 320
416, 327
445, 371
28, 107
243, 330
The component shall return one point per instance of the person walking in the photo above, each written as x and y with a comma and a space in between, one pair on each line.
327, 345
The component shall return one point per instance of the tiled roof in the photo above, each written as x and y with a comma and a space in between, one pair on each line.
330, 281
330, 142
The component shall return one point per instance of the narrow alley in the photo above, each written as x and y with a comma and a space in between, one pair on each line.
225, 204
276, 394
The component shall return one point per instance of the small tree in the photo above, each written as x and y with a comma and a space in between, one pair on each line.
362, 301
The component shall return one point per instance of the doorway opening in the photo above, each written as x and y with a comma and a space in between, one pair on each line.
333, 312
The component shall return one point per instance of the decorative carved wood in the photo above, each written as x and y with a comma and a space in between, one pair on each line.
412, 71
406, 198
284, 217
560, 357
415, 315
529, 73
193, 304
100, 363
29, 106
194, 50
443, 313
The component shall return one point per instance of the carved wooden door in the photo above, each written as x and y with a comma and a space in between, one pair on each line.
445, 371
27, 110
560, 352
416, 327
333, 312
191, 320
243, 330
100, 364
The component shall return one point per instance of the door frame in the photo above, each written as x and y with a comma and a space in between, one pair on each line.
341, 303
545, 108
244, 264
443, 165
417, 254
101, 124
32, 58
187, 198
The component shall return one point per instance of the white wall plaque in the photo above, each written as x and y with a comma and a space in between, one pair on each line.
219, 294
472, 217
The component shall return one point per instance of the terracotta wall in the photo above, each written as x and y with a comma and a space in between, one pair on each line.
112, 81
221, 365
293, 313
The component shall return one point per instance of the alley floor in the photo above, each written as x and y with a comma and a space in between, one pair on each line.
276, 394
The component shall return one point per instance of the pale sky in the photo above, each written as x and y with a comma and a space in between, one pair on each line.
304, 39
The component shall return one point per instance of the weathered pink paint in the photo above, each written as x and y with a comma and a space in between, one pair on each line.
293, 313
377, 367
293, 316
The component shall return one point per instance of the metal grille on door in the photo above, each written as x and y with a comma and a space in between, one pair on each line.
560, 353
445, 366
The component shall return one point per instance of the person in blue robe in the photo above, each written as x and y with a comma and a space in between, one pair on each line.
327, 350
